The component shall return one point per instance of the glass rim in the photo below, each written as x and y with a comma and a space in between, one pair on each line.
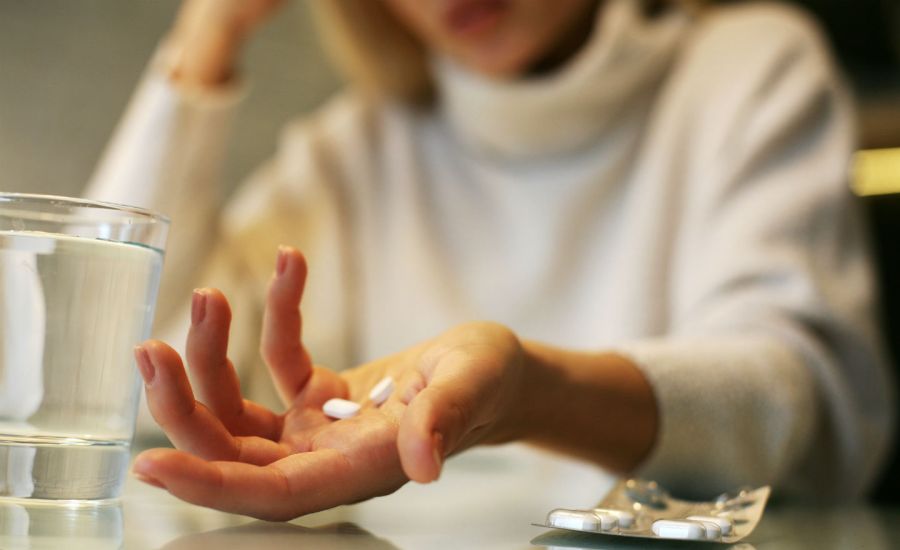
85, 203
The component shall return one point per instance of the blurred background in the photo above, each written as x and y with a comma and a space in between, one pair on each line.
68, 68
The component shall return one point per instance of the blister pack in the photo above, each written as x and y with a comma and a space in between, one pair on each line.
643, 509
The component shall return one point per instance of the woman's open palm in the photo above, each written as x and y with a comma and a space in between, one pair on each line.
235, 455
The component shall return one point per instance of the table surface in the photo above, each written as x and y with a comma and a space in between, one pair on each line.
479, 503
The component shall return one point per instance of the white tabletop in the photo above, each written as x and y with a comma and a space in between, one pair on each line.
483, 500
486, 498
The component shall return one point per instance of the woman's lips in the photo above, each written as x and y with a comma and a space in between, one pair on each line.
475, 17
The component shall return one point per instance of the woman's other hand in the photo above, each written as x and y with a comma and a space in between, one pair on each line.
452, 392
207, 36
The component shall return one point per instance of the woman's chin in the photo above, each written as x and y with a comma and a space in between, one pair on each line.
495, 62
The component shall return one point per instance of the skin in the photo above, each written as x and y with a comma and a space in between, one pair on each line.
529, 33
476, 383
532, 36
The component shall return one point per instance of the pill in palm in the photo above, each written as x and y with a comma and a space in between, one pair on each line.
382, 390
340, 408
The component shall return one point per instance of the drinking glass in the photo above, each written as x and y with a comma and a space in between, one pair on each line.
78, 284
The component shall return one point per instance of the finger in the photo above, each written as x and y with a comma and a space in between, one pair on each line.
260, 451
228, 486
322, 386
281, 345
189, 425
441, 418
217, 384
216, 381
296, 485
363, 378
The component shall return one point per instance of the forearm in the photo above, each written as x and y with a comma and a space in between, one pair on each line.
598, 406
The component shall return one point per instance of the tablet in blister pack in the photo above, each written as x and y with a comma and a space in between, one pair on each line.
642, 509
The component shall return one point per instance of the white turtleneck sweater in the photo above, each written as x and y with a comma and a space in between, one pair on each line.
676, 193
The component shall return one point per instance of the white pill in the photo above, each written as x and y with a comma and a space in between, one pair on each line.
625, 519
679, 529
712, 530
607, 521
725, 525
382, 390
581, 520
340, 408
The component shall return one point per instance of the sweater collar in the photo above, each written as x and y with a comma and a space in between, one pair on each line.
571, 107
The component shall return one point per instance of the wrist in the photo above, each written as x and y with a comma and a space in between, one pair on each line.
598, 406
524, 412
539, 386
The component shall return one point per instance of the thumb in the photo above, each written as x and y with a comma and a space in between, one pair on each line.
444, 417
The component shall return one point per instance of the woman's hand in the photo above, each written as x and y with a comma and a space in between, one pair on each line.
450, 393
208, 35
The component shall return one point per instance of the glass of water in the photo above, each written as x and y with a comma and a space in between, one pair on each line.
78, 284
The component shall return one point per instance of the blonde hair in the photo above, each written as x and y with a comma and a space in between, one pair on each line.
374, 51
379, 56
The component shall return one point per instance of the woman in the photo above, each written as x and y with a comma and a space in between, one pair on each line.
648, 204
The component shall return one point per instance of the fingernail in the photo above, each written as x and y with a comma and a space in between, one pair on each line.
149, 480
438, 451
145, 366
281, 266
198, 307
